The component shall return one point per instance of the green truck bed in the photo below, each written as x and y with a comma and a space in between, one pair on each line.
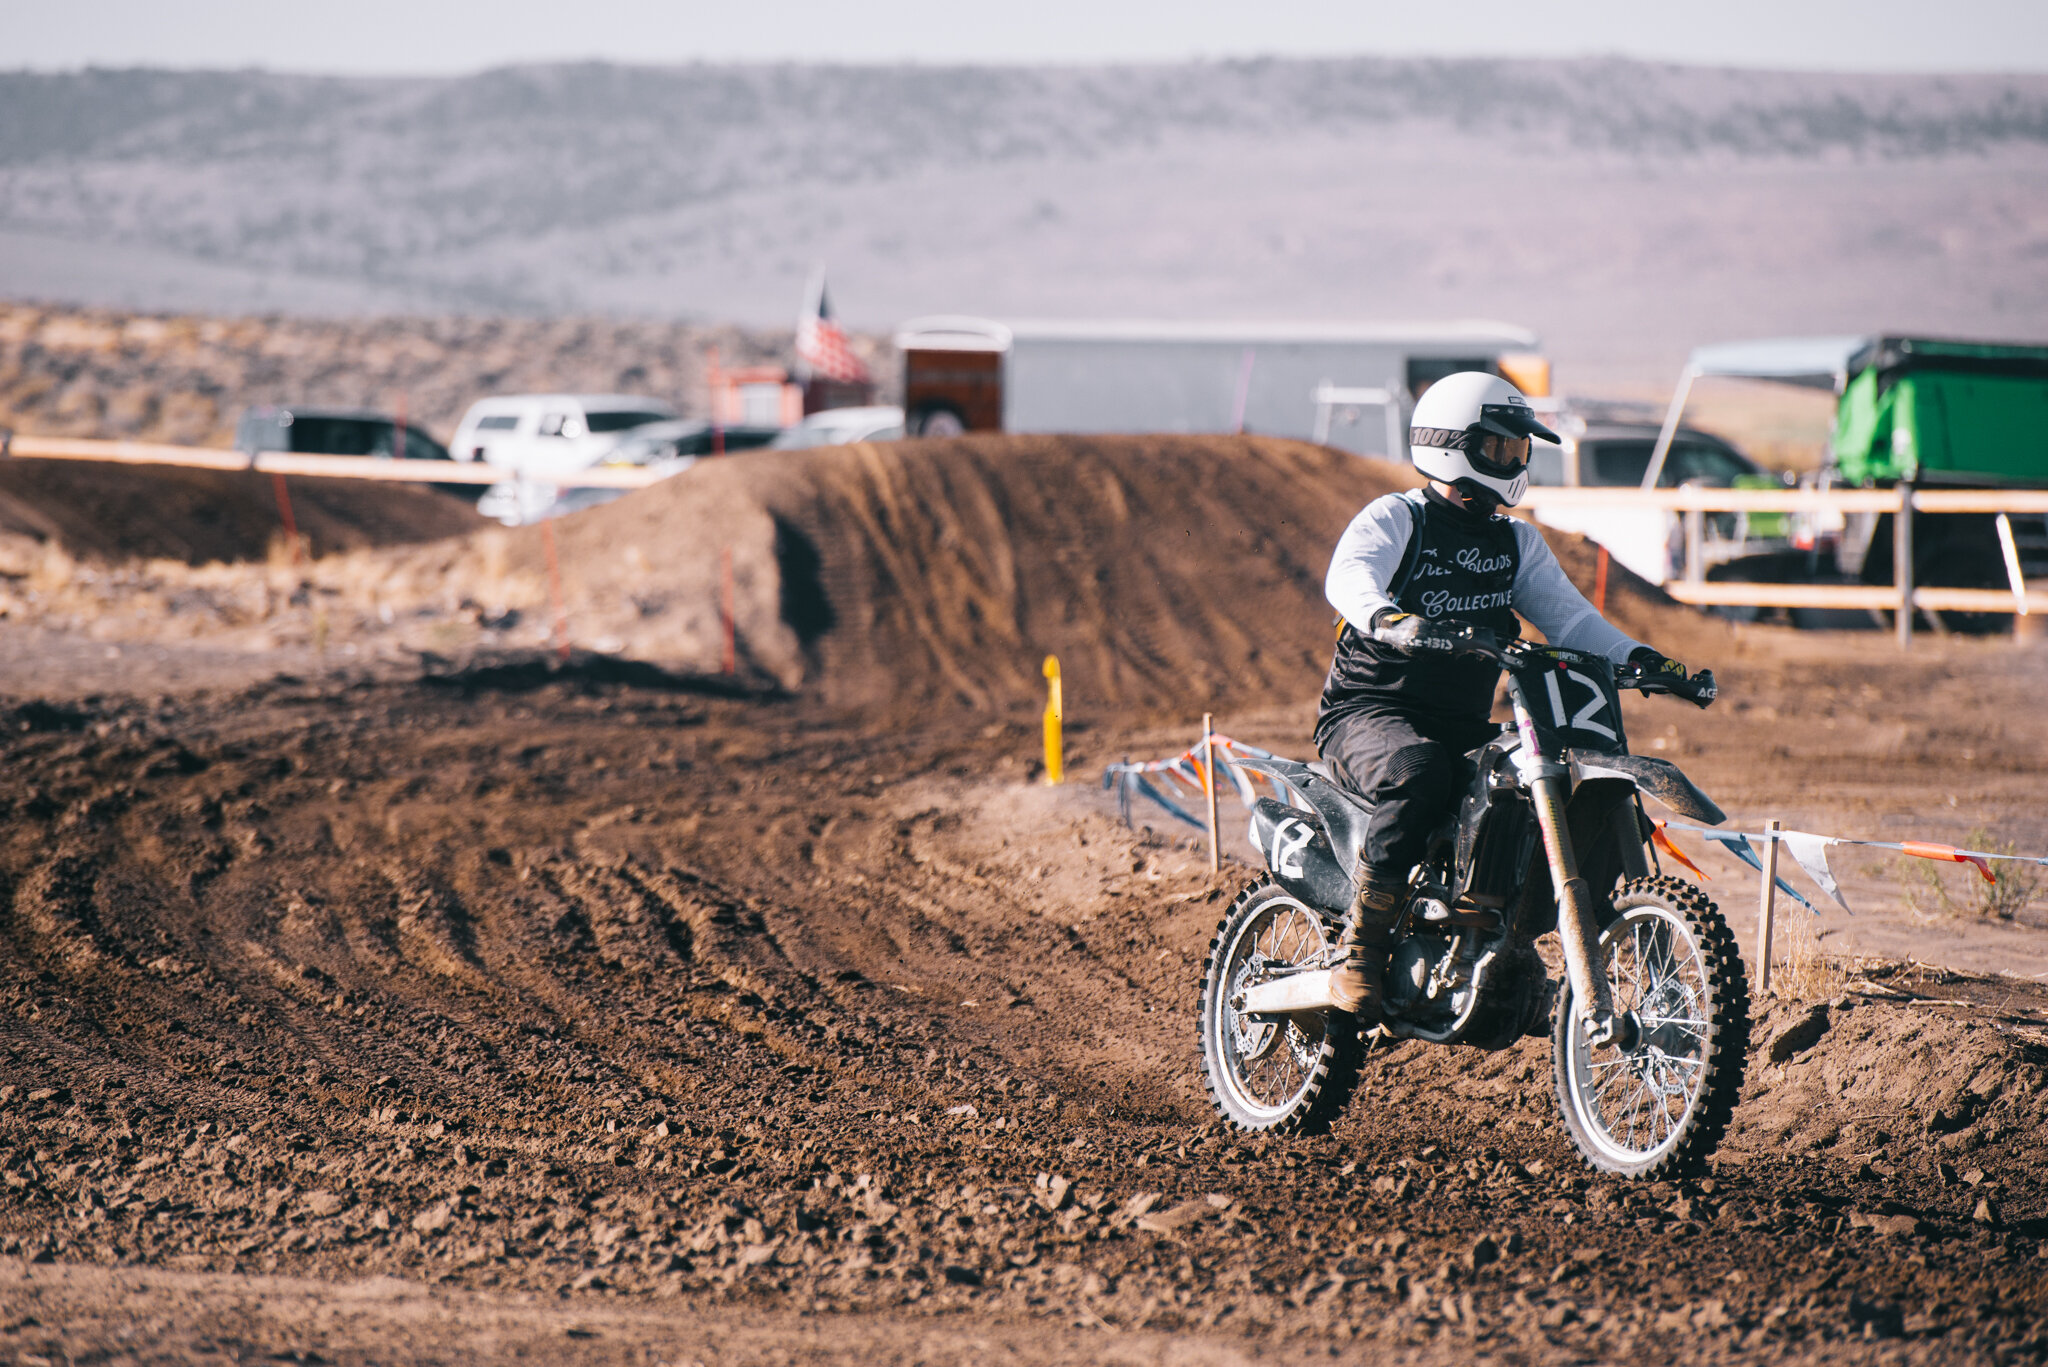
1943, 412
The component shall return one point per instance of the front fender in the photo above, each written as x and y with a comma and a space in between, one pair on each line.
1660, 778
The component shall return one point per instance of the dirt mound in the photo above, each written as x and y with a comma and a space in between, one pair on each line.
1855, 1075
1167, 573
1163, 571
105, 512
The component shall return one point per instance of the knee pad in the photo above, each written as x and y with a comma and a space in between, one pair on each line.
1420, 773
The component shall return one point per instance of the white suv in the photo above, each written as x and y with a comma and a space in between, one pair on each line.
549, 435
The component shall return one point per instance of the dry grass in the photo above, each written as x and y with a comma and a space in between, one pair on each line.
1801, 970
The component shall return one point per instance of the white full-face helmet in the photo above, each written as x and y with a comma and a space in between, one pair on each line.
1471, 430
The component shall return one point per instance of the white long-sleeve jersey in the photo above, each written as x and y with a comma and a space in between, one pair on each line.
1368, 557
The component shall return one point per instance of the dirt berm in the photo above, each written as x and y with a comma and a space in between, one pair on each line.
1158, 569
111, 513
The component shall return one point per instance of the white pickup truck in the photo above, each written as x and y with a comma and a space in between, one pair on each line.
545, 436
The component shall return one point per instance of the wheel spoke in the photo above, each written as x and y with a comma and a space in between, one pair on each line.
1632, 1105
1269, 1064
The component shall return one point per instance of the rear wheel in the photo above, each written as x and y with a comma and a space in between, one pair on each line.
1657, 1107
1290, 1074
941, 422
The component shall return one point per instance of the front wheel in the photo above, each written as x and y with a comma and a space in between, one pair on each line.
1290, 1074
1656, 1100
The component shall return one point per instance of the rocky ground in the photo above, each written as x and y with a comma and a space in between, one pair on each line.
606, 1012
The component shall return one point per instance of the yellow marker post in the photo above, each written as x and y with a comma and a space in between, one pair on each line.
1055, 765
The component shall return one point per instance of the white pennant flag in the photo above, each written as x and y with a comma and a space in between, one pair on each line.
1810, 852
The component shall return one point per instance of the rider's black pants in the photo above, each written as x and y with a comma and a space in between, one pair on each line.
1412, 769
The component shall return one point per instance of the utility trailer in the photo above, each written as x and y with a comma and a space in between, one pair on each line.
1350, 385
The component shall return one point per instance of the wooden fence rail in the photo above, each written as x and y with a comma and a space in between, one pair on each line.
322, 467
1903, 598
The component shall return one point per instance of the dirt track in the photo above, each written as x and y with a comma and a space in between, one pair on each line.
620, 1021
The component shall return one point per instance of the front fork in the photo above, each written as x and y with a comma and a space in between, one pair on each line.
1549, 784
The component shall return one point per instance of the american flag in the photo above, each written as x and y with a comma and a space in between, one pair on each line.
819, 342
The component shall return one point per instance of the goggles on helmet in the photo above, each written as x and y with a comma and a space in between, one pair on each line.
1489, 452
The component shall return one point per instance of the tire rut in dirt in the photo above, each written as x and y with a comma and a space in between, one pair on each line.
565, 998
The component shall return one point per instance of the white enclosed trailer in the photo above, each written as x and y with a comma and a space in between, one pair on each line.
1348, 384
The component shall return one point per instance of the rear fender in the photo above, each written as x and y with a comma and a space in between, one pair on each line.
1296, 851
1315, 792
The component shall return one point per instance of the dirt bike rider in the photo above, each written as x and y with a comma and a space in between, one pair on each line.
1402, 705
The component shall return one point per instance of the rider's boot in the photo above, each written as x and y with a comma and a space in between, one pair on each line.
1356, 985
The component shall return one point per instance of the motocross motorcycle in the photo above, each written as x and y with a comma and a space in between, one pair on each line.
1650, 1026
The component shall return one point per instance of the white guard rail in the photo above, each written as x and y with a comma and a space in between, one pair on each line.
323, 467
1693, 501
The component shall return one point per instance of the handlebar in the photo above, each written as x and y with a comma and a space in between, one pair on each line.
1459, 638
1699, 689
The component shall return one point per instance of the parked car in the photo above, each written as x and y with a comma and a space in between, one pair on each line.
1605, 446
842, 426
548, 434
666, 447
333, 432
660, 441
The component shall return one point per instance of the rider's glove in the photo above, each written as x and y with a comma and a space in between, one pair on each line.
1412, 635
1653, 662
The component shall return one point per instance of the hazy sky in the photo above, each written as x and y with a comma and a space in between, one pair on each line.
465, 35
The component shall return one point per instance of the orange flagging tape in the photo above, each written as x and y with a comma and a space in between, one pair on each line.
1927, 849
1663, 843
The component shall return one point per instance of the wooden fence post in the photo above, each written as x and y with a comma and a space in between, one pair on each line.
1209, 782
1766, 907
284, 509
561, 604
1902, 562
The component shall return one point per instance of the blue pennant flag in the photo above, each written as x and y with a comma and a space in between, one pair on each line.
1739, 847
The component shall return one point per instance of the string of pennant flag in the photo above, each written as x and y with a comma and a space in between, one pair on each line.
1177, 786
1172, 782
1810, 852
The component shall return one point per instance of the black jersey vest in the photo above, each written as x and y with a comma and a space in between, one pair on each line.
1460, 567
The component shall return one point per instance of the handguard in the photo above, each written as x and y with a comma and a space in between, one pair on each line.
1412, 635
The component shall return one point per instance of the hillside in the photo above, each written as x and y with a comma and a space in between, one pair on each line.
185, 378
1625, 209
